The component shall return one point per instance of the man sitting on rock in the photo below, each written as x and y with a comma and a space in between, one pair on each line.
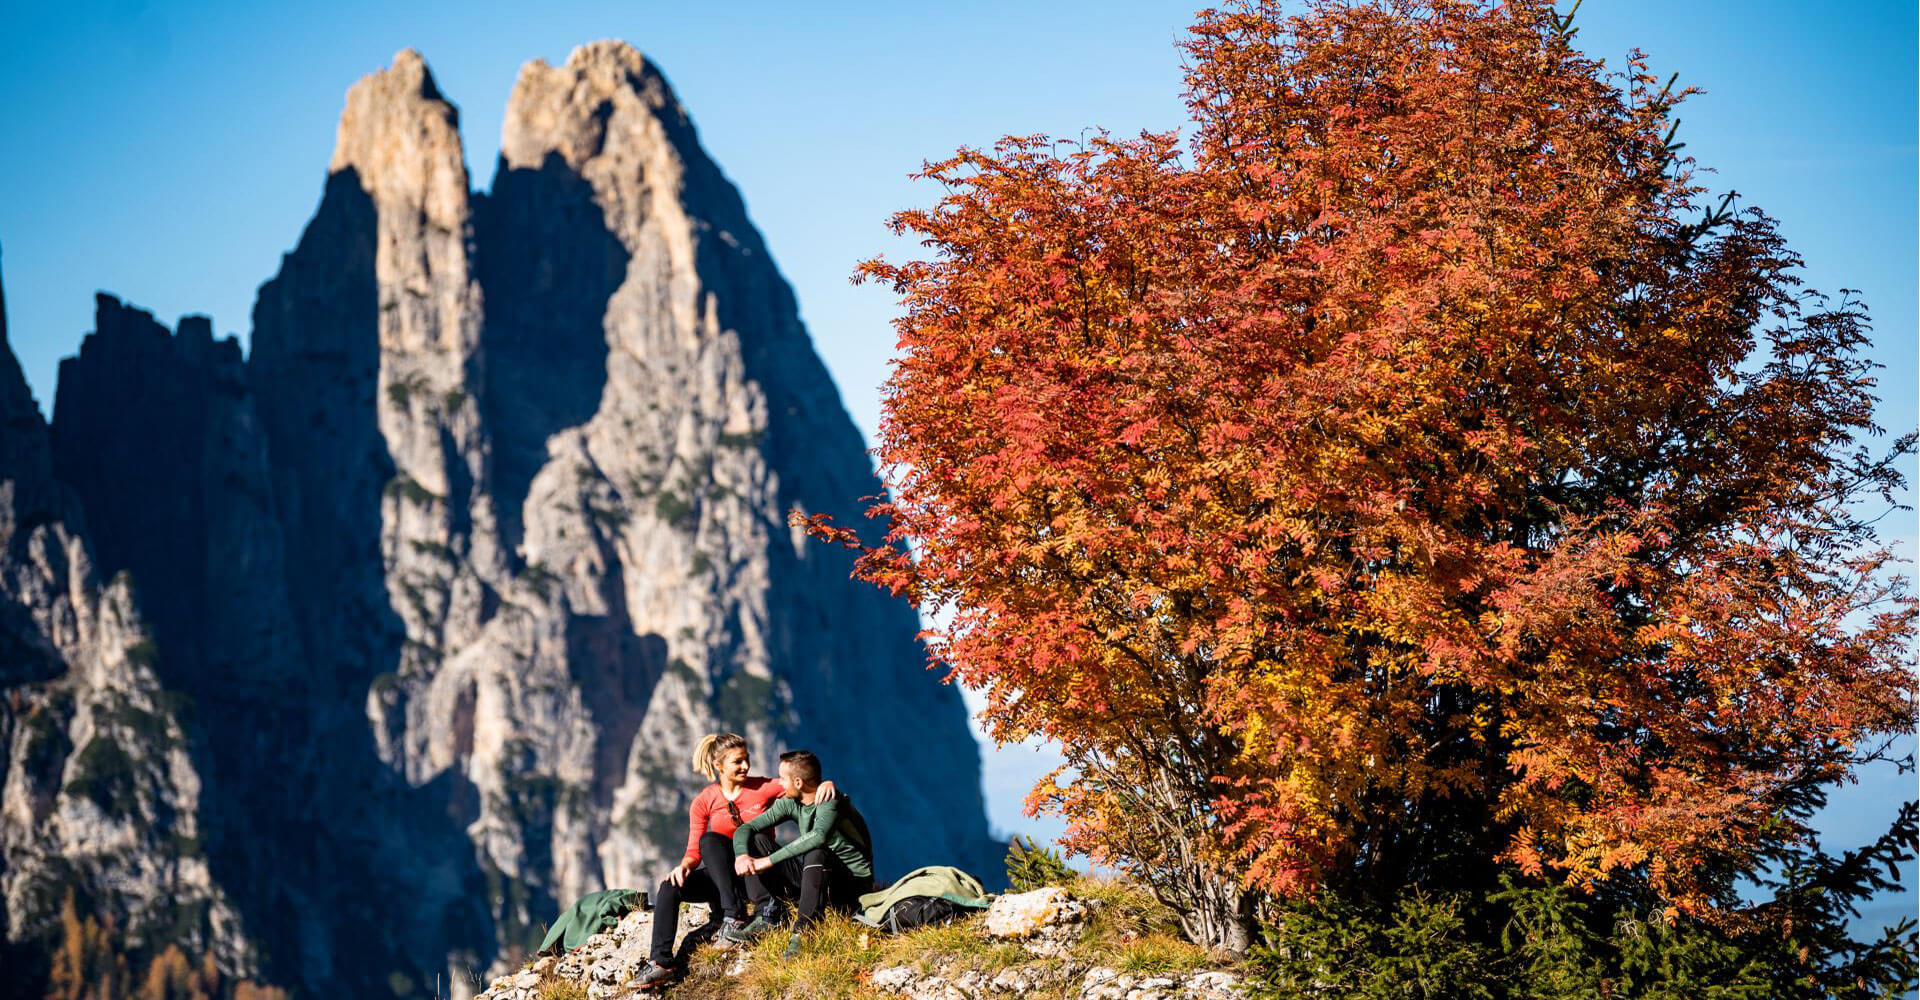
831, 861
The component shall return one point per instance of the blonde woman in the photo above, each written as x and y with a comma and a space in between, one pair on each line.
705, 873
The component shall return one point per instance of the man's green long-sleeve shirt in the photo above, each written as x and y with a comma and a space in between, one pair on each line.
834, 824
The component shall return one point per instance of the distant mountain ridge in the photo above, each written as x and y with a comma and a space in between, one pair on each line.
430, 596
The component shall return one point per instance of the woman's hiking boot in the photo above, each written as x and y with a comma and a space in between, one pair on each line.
793, 948
655, 976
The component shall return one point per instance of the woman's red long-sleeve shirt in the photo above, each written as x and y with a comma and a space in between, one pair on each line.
709, 810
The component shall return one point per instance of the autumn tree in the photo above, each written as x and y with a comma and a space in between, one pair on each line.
1408, 474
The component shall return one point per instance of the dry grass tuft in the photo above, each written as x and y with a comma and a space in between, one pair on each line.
1159, 954
554, 988
833, 964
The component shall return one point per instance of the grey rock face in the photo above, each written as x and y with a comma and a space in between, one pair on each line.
491, 527
199, 522
714, 418
100, 796
159, 434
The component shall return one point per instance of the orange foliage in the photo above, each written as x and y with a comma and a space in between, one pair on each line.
1410, 471
91, 964
88, 964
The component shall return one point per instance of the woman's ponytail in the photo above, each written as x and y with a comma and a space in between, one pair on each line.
706, 756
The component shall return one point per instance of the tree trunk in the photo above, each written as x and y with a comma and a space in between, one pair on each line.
1215, 912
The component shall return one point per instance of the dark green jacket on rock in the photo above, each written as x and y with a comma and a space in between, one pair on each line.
589, 915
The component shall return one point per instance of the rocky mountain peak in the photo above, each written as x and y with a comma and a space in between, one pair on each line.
403, 140
490, 528
571, 109
15, 396
26, 477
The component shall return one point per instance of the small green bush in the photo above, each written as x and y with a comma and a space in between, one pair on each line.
105, 774
1530, 940
674, 509
1030, 866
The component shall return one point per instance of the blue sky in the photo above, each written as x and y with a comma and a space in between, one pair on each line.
170, 153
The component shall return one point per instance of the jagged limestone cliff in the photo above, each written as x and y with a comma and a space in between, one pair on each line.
101, 798
489, 527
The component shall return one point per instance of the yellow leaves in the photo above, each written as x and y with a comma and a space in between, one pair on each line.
1482, 723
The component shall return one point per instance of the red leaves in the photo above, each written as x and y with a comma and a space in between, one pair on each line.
821, 526
1137, 431
1399, 448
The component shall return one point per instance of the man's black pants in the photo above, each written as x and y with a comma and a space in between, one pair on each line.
818, 877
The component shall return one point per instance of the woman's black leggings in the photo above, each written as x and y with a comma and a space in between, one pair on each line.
713, 882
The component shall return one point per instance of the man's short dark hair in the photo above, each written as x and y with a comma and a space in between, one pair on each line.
806, 766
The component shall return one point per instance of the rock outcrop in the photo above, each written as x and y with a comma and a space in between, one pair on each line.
1045, 926
487, 530
1055, 979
